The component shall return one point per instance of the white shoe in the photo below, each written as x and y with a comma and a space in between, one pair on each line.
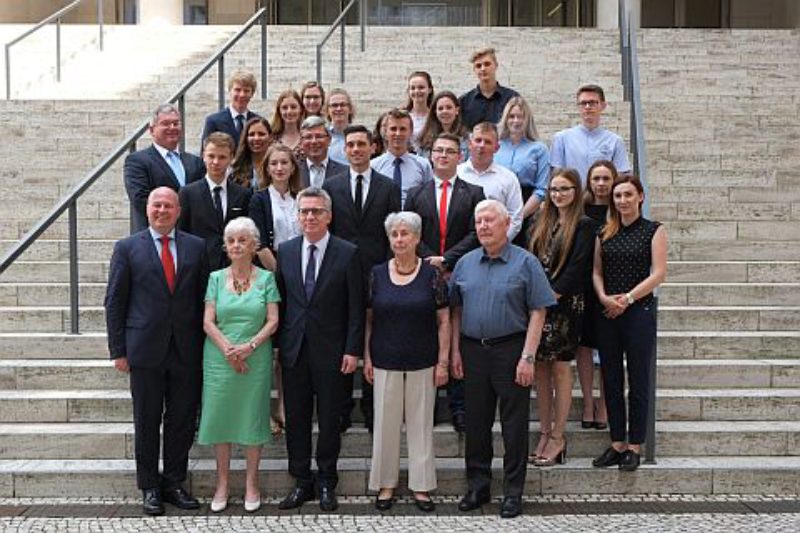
217, 506
252, 507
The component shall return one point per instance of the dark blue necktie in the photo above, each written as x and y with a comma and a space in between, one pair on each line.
398, 176
239, 123
311, 268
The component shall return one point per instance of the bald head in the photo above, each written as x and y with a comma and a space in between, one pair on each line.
163, 209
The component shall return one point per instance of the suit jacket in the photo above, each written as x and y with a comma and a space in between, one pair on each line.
199, 217
260, 211
332, 322
141, 313
576, 275
333, 169
461, 236
146, 170
223, 121
366, 232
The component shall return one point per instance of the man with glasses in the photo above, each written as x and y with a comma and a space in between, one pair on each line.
581, 146
407, 170
317, 167
446, 205
321, 339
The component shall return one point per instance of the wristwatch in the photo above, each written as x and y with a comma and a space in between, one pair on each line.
527, 357
630, 298
253, 345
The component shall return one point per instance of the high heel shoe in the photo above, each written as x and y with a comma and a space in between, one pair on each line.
217, 506
559, 458
543, 438
252, 506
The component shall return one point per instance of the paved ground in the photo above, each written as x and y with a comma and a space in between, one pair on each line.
562, 513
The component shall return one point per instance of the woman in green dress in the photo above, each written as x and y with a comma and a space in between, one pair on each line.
241, 314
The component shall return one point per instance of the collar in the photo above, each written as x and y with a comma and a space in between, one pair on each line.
163, 151
321, 244
471, 168
367, 174
504, 256
593, 131
323, 164
156, 236
211, 184
235, 113
438, 181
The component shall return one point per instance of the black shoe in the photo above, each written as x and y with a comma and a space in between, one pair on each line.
629, 461
151, 502
459, 422
384, 505
181, 499
472, 500
327, 499
426, 506
600, 425
511, 507
344, 424
587, 424
610, 457
296, 498
369, 422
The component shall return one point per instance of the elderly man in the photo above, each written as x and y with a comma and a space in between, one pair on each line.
154, 318
317, 167
160, 165
498, 294
231, 120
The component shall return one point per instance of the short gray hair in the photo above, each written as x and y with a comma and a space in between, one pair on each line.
409, 219
314, 122
492, 205
315, 192
242, 225
163, 109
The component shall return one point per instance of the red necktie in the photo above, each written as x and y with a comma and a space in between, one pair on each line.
168, 263
443, 217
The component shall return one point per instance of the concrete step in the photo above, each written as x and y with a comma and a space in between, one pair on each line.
44, 374
49, 318
50, 250
672, 404
670, 475
116, 441
681, 271
728, 318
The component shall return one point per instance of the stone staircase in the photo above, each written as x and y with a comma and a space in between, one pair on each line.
723, 159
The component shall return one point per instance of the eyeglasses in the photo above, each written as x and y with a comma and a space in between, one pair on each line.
559, 190
315, 211
444, 151
588, 103
339, 105
314, 137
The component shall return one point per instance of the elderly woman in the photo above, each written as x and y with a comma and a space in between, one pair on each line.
241, 314
406, 357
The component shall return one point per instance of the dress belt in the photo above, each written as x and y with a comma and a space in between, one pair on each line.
494, 341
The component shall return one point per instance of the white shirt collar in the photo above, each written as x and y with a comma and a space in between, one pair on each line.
367, 174
321, 244
212, 184
235, 114
157, 236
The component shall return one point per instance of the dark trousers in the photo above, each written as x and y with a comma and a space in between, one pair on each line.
455, 395
170, 391
633, 335
489, 374
302, 384
349, 402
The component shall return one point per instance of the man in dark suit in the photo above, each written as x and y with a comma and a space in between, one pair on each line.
446, 206
321, 337
159, 165
154, 319
362, 199
231, 120
208, 205
317, 167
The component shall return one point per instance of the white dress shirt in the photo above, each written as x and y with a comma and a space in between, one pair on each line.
321, 245
499, 184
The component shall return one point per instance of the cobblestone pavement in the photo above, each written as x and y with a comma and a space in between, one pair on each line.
576, 513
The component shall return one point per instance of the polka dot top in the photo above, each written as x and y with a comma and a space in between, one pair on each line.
627, 258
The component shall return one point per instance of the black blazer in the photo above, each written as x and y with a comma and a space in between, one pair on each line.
199, 217
142, 315
146, 170
461, 236
261, 212
332, 322
223, 121
331, 170
575, 277
366, 232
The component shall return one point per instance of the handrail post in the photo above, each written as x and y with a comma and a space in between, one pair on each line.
58, 49
100, 22
132, 149
363, 21
221, 82
182, 113
8, 72
319, 64
73, 268
342, 26
264, 55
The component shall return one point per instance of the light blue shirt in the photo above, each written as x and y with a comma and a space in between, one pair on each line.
336, 148
529, 160
579, 148
156, 236
415, 170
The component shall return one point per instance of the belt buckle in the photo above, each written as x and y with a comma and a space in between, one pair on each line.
485, 342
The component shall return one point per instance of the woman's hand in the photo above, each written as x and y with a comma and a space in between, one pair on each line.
614, 305
369, 371
441, 374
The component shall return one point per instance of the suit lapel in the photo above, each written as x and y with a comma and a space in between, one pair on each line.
165, 167
374, 189
455, 201
329, 258
208, 202
182, 259
347, 198
155, 260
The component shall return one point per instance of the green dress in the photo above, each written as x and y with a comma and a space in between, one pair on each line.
236, 406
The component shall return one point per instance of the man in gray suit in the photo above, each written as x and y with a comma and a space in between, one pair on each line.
317, 167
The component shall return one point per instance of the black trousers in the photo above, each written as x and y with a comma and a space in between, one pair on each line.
631, 335
170, 392
489, 374
302, 385
349, 403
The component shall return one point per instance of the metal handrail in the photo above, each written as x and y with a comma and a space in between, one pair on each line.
69, 201
57, 17
632, 94
362, 20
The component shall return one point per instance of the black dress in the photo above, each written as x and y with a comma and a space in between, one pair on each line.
591, 305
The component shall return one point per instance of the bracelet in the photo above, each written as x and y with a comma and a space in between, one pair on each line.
443, 364
253, 345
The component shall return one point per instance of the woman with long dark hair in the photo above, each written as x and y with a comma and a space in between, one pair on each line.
444, 117
256, 138
630, 262
420, 98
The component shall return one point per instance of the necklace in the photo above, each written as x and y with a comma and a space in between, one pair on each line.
397, 268
241, 286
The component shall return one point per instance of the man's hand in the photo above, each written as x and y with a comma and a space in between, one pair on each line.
369, 371
456, 366
524, 373
440, 375
121, 364
436, 260
349, 364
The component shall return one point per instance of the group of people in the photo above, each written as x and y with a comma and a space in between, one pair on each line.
448, 247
